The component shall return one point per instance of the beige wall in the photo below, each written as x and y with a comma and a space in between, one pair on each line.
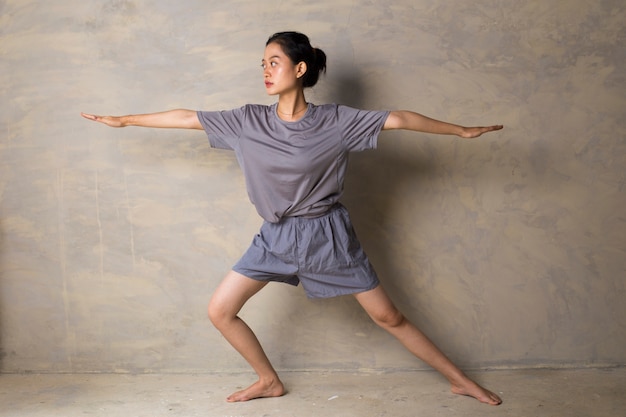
509, 251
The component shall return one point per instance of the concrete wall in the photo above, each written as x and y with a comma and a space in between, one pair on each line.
508, 251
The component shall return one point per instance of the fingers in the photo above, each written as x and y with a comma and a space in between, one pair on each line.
490, 128
89, 116
474, 132
107, 120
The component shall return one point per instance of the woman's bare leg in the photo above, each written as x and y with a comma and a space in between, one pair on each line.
224, 306
382, 310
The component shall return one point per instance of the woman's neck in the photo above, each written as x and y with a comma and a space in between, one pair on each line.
291, 107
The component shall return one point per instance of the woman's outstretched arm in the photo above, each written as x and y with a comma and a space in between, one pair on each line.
176, 119
409, 120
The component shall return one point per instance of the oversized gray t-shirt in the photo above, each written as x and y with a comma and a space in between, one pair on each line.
293, 168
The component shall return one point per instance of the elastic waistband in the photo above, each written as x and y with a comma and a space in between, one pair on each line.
331, 209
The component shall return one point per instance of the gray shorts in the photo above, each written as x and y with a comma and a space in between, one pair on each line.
322, 252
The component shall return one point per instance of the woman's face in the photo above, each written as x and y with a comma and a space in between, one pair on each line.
280, 73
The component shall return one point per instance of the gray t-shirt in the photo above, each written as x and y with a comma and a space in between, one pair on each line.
293, 168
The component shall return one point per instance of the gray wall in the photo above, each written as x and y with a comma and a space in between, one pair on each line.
509, 251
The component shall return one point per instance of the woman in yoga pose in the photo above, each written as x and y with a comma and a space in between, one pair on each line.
294, 157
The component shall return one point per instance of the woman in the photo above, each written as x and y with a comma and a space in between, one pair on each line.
294, 156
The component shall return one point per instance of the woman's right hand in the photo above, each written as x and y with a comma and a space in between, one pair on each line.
173, 119
111, 121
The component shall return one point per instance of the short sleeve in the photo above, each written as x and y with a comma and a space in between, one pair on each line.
359, 129
223, 127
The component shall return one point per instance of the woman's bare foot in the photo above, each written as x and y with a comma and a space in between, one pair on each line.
472, 389
259, 389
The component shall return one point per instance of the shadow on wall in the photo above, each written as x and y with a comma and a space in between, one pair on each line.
374, 181
374, 190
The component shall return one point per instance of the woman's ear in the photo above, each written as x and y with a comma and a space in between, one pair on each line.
301, 69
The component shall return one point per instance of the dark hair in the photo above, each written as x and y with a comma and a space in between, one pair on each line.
298, 48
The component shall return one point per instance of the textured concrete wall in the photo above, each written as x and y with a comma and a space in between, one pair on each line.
509, 250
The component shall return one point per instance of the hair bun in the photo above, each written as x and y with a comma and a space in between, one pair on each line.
320, 59
298, 48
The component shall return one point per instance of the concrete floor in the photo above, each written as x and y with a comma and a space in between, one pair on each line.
528, 393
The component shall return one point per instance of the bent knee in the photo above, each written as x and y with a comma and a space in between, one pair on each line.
219, 313
389, 318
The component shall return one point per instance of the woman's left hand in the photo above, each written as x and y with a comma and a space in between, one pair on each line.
474, 132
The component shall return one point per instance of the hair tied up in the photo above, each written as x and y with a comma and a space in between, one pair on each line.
298, 48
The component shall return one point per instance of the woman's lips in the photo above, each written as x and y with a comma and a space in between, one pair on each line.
268, 84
